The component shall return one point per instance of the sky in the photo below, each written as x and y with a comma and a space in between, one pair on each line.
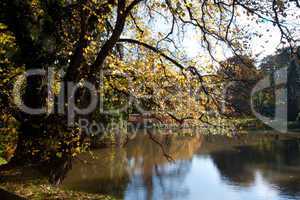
260, 46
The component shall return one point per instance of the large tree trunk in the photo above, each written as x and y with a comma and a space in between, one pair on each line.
32, 126
49, 147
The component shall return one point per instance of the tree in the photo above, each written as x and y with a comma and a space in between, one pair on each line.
284, 59
78, 37
240, 76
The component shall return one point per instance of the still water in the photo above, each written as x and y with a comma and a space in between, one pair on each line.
249, 167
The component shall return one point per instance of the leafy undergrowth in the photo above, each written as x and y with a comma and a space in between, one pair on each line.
2, 161
30, 185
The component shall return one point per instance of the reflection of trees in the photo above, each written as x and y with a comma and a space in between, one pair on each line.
278, 162
233, 167
171, 177
105, 175
157, 175
148, 152
143, 160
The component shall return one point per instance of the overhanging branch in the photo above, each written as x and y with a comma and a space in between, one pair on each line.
154, 49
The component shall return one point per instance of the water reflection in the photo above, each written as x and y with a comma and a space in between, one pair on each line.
276, 161
248, 167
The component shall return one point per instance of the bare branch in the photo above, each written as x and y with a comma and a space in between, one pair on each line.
154, 49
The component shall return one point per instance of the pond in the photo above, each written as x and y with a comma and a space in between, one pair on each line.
249, 167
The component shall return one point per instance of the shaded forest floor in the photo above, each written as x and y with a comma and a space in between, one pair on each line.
29, 184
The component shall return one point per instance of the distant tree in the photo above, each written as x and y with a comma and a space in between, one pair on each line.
284, 58
240, 75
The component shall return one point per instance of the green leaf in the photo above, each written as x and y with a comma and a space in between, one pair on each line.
2, 161
59, 154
